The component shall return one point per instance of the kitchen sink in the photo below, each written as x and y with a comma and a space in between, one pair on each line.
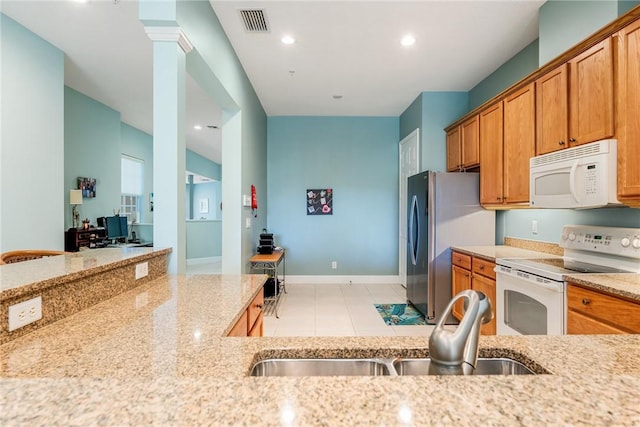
378, 367
485, 366
321, 367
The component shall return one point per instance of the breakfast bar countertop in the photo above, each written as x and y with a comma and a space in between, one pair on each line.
156, 355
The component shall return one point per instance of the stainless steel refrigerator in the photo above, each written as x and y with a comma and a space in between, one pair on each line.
443, 211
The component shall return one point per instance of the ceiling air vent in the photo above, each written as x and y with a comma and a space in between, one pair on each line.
254, 20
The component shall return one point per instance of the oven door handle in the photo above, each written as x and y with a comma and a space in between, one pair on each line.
541, 282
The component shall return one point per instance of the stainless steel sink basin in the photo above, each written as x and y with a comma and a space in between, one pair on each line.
320, 367
485, 366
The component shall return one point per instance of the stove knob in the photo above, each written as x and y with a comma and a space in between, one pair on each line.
625, 242
636, 243
572, 236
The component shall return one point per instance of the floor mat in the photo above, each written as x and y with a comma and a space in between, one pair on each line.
400, 314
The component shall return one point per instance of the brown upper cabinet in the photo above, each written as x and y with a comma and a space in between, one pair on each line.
463, 146
454, 154
507, 141
575, 101
519, 143
628, 113
491, 155
591, 95
552, 111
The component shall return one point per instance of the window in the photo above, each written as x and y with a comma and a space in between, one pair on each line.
131, 187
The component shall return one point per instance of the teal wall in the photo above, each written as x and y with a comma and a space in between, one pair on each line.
564, 24
519, 66
517, 223
431, 112
33, 197
216, 68
358, 158
439, 109
92, 133
203, 166
199, 247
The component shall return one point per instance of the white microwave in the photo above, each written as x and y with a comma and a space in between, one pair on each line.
579, 177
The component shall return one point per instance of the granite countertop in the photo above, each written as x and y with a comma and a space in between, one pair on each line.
29, 276
156, 355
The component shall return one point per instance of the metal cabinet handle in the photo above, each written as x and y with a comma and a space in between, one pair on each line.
561, 143
586, 301
258, 305
481, 267
572, 140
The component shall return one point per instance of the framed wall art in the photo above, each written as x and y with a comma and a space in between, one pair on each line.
320, 201
88, 187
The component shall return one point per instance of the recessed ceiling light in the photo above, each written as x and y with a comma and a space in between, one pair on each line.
197, 127
288, 40
408, 40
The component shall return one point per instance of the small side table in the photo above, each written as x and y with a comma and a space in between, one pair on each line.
269, 264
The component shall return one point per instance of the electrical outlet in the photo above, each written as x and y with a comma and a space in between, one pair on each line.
534, 226
24, 313
334, 264
142, 270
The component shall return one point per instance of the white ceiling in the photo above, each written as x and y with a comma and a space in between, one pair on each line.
347, 48
352, 48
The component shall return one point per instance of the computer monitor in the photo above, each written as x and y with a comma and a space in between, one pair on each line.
124, 230
114, 228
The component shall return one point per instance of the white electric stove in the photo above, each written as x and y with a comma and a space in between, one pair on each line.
531, 293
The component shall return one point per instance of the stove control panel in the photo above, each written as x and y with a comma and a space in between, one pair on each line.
606, 240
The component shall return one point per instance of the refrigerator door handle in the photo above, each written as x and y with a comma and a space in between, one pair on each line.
414, 230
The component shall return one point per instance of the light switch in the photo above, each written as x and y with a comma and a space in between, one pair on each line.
248, 223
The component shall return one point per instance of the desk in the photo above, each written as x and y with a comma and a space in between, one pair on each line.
269, 264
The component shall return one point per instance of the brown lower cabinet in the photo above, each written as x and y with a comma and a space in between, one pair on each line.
593, 312
469, 272
250, 323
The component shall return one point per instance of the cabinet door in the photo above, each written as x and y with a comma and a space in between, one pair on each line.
460, 281
629, 113
591, 94
453, 150
552, 111
488, 286
469, 140
519, 144
491, 155
240, 328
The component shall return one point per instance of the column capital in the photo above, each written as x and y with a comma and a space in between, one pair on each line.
170, 34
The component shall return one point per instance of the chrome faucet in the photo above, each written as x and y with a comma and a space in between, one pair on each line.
456, 352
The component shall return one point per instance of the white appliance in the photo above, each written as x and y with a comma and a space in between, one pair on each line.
443, 211
579, 177
531, 293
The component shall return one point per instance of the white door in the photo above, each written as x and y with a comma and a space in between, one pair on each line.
409, 165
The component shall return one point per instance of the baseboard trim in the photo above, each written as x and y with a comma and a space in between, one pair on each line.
331, 280
193, 261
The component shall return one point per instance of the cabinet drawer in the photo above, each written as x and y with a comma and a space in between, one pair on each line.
461, 260
614, 311
579, 324
484, 268
255, 309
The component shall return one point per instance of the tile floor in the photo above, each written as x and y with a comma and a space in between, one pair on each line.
338, 310
329, 309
